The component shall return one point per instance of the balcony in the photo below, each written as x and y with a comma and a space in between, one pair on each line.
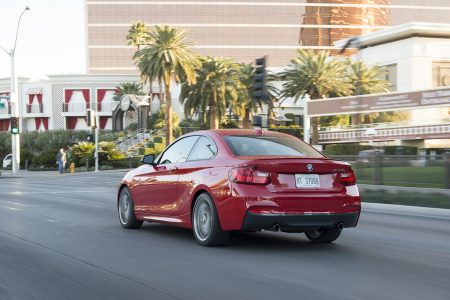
106, 108
35, 108
75, 109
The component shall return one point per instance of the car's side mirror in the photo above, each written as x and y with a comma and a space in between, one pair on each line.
148, 159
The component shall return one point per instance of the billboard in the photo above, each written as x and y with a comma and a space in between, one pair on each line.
379, 102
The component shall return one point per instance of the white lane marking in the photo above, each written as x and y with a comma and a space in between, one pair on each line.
14, 203
10, 208
54, 193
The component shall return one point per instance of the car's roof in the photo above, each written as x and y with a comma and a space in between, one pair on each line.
225, 132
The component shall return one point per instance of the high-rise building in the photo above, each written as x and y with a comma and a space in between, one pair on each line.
245, 30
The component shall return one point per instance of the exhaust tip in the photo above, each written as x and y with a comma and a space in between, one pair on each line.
340, 226
276, 227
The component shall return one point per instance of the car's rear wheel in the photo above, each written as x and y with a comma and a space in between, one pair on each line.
126, 210
206, 224
323, 235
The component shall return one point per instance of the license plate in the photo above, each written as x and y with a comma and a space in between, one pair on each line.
307, 180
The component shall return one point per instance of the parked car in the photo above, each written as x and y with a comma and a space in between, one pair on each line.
218, 181
7, 161
366, 155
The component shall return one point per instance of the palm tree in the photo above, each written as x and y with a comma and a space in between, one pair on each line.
137, 35
317, 75
167, 57
217, 87
133, 88
366, 80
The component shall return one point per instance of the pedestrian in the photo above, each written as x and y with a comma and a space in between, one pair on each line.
61, 160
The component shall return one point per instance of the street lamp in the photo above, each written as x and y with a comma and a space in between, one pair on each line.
14, 100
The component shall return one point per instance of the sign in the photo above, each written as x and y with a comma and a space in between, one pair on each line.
379, 102
125, 103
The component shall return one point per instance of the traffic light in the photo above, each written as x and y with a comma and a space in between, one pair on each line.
14, 125
259, 82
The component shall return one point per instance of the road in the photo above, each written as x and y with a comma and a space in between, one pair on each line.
60, 239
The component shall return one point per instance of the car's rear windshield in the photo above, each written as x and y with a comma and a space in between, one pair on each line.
260, 145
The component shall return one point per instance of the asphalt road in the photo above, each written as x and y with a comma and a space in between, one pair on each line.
60, 239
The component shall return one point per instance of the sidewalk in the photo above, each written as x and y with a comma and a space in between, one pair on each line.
22, 173
399, 189
416, 211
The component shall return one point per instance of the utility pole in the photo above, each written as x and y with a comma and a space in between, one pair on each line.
97, 125
15, 105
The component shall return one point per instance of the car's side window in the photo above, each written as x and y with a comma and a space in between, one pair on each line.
179, 151
204, 149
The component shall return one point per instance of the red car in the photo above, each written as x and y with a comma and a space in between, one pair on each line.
218, 181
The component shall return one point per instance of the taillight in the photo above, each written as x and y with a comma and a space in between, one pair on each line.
347, 178
249, 175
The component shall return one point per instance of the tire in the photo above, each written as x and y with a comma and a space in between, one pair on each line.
206, 224
323, 235
125, 208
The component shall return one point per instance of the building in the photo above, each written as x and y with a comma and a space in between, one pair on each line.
60, 102
245, 30
417, 58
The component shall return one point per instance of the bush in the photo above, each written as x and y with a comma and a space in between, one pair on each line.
294, 130
229, 124
345, 149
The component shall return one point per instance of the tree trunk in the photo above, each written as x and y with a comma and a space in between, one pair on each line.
315, 121
247, 122
213, 117
169, 125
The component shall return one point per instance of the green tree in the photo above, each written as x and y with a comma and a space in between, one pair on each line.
315, 74
370, 80
217, 86
109, 151
167, 57
137, 34
124, 88
82, 151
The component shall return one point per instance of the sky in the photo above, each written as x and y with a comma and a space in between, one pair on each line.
51, 37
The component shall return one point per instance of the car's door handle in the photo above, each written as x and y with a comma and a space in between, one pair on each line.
173, 169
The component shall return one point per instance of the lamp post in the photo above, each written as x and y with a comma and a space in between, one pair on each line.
14, 100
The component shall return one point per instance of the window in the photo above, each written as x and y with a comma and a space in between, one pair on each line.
390, 75
179, 151
204, 149
270, 146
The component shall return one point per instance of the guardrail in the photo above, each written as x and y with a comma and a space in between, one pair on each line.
432, 171
75, 107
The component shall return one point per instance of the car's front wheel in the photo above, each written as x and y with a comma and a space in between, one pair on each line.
323, 235
126, 210
206, 224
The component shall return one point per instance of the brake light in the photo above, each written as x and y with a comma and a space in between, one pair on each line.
249, 175
347, 178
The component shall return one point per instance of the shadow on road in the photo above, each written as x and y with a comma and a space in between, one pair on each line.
258, 241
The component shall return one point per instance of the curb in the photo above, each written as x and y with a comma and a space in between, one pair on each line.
414, 211
391, 188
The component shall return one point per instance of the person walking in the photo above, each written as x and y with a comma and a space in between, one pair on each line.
61, 160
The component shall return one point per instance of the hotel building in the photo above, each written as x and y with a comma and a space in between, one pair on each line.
245, 30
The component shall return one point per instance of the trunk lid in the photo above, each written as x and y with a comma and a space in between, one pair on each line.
288, 175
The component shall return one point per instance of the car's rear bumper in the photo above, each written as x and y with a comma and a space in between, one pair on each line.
298, 222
